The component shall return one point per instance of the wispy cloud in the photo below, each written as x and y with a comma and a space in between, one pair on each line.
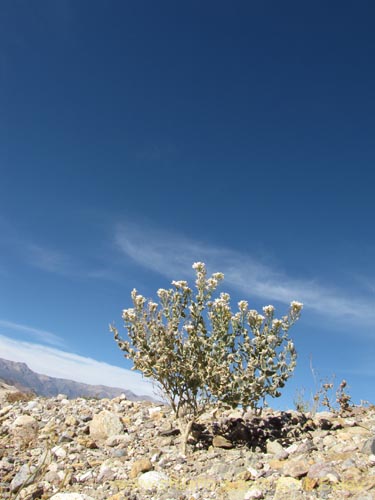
172, 256
36, 333
48, 259
56, 363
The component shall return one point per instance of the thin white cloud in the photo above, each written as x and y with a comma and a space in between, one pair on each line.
47, 259
172, 256
38, 334
56, 363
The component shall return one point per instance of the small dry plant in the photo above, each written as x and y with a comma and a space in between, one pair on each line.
14, 397
324, 397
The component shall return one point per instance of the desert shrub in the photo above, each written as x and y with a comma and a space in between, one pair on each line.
200, 352
13, 397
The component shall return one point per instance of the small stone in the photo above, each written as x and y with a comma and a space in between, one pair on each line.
221, 442
59, 452
61, 397
152, 479
87, 442
5, 410
82, 478
119, 453
254, 493
118, 439
154, 410
369, 447
274, 448
66, 437
71, 421
309, 483
142, 465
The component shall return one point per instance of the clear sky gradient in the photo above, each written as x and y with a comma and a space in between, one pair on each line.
139, 137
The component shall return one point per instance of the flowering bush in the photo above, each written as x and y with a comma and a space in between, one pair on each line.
199, 352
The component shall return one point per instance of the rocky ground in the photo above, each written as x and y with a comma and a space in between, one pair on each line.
117, 449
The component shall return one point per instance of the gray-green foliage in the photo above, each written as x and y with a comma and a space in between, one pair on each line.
200, 352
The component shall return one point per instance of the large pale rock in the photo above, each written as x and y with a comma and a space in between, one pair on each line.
25, 428
153, 479
105, 424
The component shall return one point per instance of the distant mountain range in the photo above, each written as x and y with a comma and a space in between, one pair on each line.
26, 380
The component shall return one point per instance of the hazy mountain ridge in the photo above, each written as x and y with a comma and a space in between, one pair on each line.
20, 375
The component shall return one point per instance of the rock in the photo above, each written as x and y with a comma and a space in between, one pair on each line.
5, 410
105, 424
152, 479
142, 465
287, 488
71, 496
118, 439
71, 421
296, 468
369, 447
253, 493
323, 472
24, 477
221, 442
59, 451
31, 492
25, 428
274, 448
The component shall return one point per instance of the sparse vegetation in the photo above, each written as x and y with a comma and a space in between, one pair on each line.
13, 397
324, 396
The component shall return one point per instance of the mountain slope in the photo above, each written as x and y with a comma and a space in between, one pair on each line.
20, 375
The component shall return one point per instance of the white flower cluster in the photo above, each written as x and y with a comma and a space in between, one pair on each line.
129, 314
296, 306
199, 267
268, 310
180, 285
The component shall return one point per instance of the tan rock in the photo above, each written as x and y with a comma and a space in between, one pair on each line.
221, 442
71, 421
142, 465
276, 464
286, 488
296, 468
308, 483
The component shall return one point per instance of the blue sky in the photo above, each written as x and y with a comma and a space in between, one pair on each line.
139, 137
